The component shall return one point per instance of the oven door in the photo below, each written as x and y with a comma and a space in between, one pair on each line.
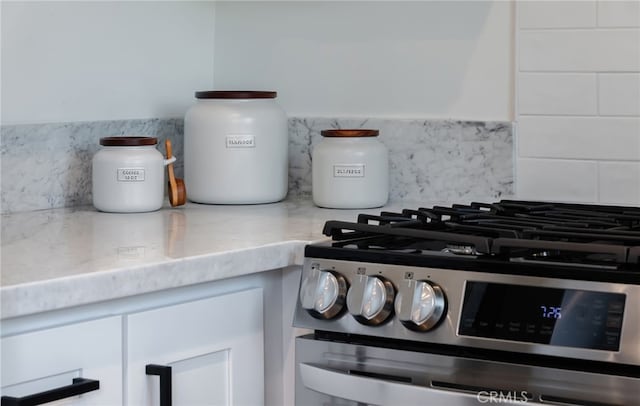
340, 374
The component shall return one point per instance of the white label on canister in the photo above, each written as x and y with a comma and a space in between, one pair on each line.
130, 174
241, 141
348, 171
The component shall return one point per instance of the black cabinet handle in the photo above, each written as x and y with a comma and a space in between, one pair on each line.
77, 387
164, 372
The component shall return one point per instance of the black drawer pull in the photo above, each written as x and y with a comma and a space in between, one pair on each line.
164, 372
77, 387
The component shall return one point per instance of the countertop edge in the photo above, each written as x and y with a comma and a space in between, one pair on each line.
30, 298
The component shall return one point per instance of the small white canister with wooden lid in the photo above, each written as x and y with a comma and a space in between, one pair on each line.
128, 175
350, 170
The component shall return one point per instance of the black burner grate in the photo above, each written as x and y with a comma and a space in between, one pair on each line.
509, 230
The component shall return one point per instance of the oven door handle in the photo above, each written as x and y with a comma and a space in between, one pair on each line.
381, 392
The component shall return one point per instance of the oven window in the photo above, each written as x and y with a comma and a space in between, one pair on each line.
563, 317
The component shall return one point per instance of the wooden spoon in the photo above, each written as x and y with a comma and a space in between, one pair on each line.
177, 189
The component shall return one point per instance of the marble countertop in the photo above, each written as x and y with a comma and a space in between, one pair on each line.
53, 259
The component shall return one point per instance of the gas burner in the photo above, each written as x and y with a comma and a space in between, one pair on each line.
460, 250
542, 254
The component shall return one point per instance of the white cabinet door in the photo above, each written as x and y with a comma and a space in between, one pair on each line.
214, 347
48, 359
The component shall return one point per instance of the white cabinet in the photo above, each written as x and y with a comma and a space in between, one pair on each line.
212, 338
44, 360
214, 347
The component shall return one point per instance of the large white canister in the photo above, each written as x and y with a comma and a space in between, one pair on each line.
350, 170
236, 148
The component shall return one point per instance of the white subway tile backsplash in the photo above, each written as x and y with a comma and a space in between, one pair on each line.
612, 13
579, 137
556, 14
605, 50
619, 183
619, 94
557, 180
557, 93
578, 101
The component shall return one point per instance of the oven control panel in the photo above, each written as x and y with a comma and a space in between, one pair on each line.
559, 317
562, 317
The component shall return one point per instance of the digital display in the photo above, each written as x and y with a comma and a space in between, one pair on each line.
551, 312
564, 317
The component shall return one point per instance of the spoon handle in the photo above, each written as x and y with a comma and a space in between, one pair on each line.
173, 187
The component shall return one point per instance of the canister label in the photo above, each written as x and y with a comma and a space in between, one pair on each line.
130, 174
348, 171
241, 141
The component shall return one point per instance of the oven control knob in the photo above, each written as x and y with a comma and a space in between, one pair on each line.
322, 293
370, 299
420, 305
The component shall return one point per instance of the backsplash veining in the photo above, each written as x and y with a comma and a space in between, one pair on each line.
429, 159
49, 165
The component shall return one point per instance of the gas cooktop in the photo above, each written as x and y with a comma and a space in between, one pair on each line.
602, 241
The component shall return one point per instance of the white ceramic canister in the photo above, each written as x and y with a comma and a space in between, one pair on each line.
350, 170
128, 175
236, 147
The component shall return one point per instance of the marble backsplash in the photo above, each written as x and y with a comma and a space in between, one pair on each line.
49, 165
430, 160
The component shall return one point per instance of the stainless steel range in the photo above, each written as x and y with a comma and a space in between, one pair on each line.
512, 302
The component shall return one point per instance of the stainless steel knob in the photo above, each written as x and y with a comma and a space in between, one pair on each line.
420, 305
370, 299
322, 293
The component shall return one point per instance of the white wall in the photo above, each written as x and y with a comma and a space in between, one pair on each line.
85, 61
431, 59
578, 101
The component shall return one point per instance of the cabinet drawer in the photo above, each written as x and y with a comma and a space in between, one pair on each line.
47, 359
